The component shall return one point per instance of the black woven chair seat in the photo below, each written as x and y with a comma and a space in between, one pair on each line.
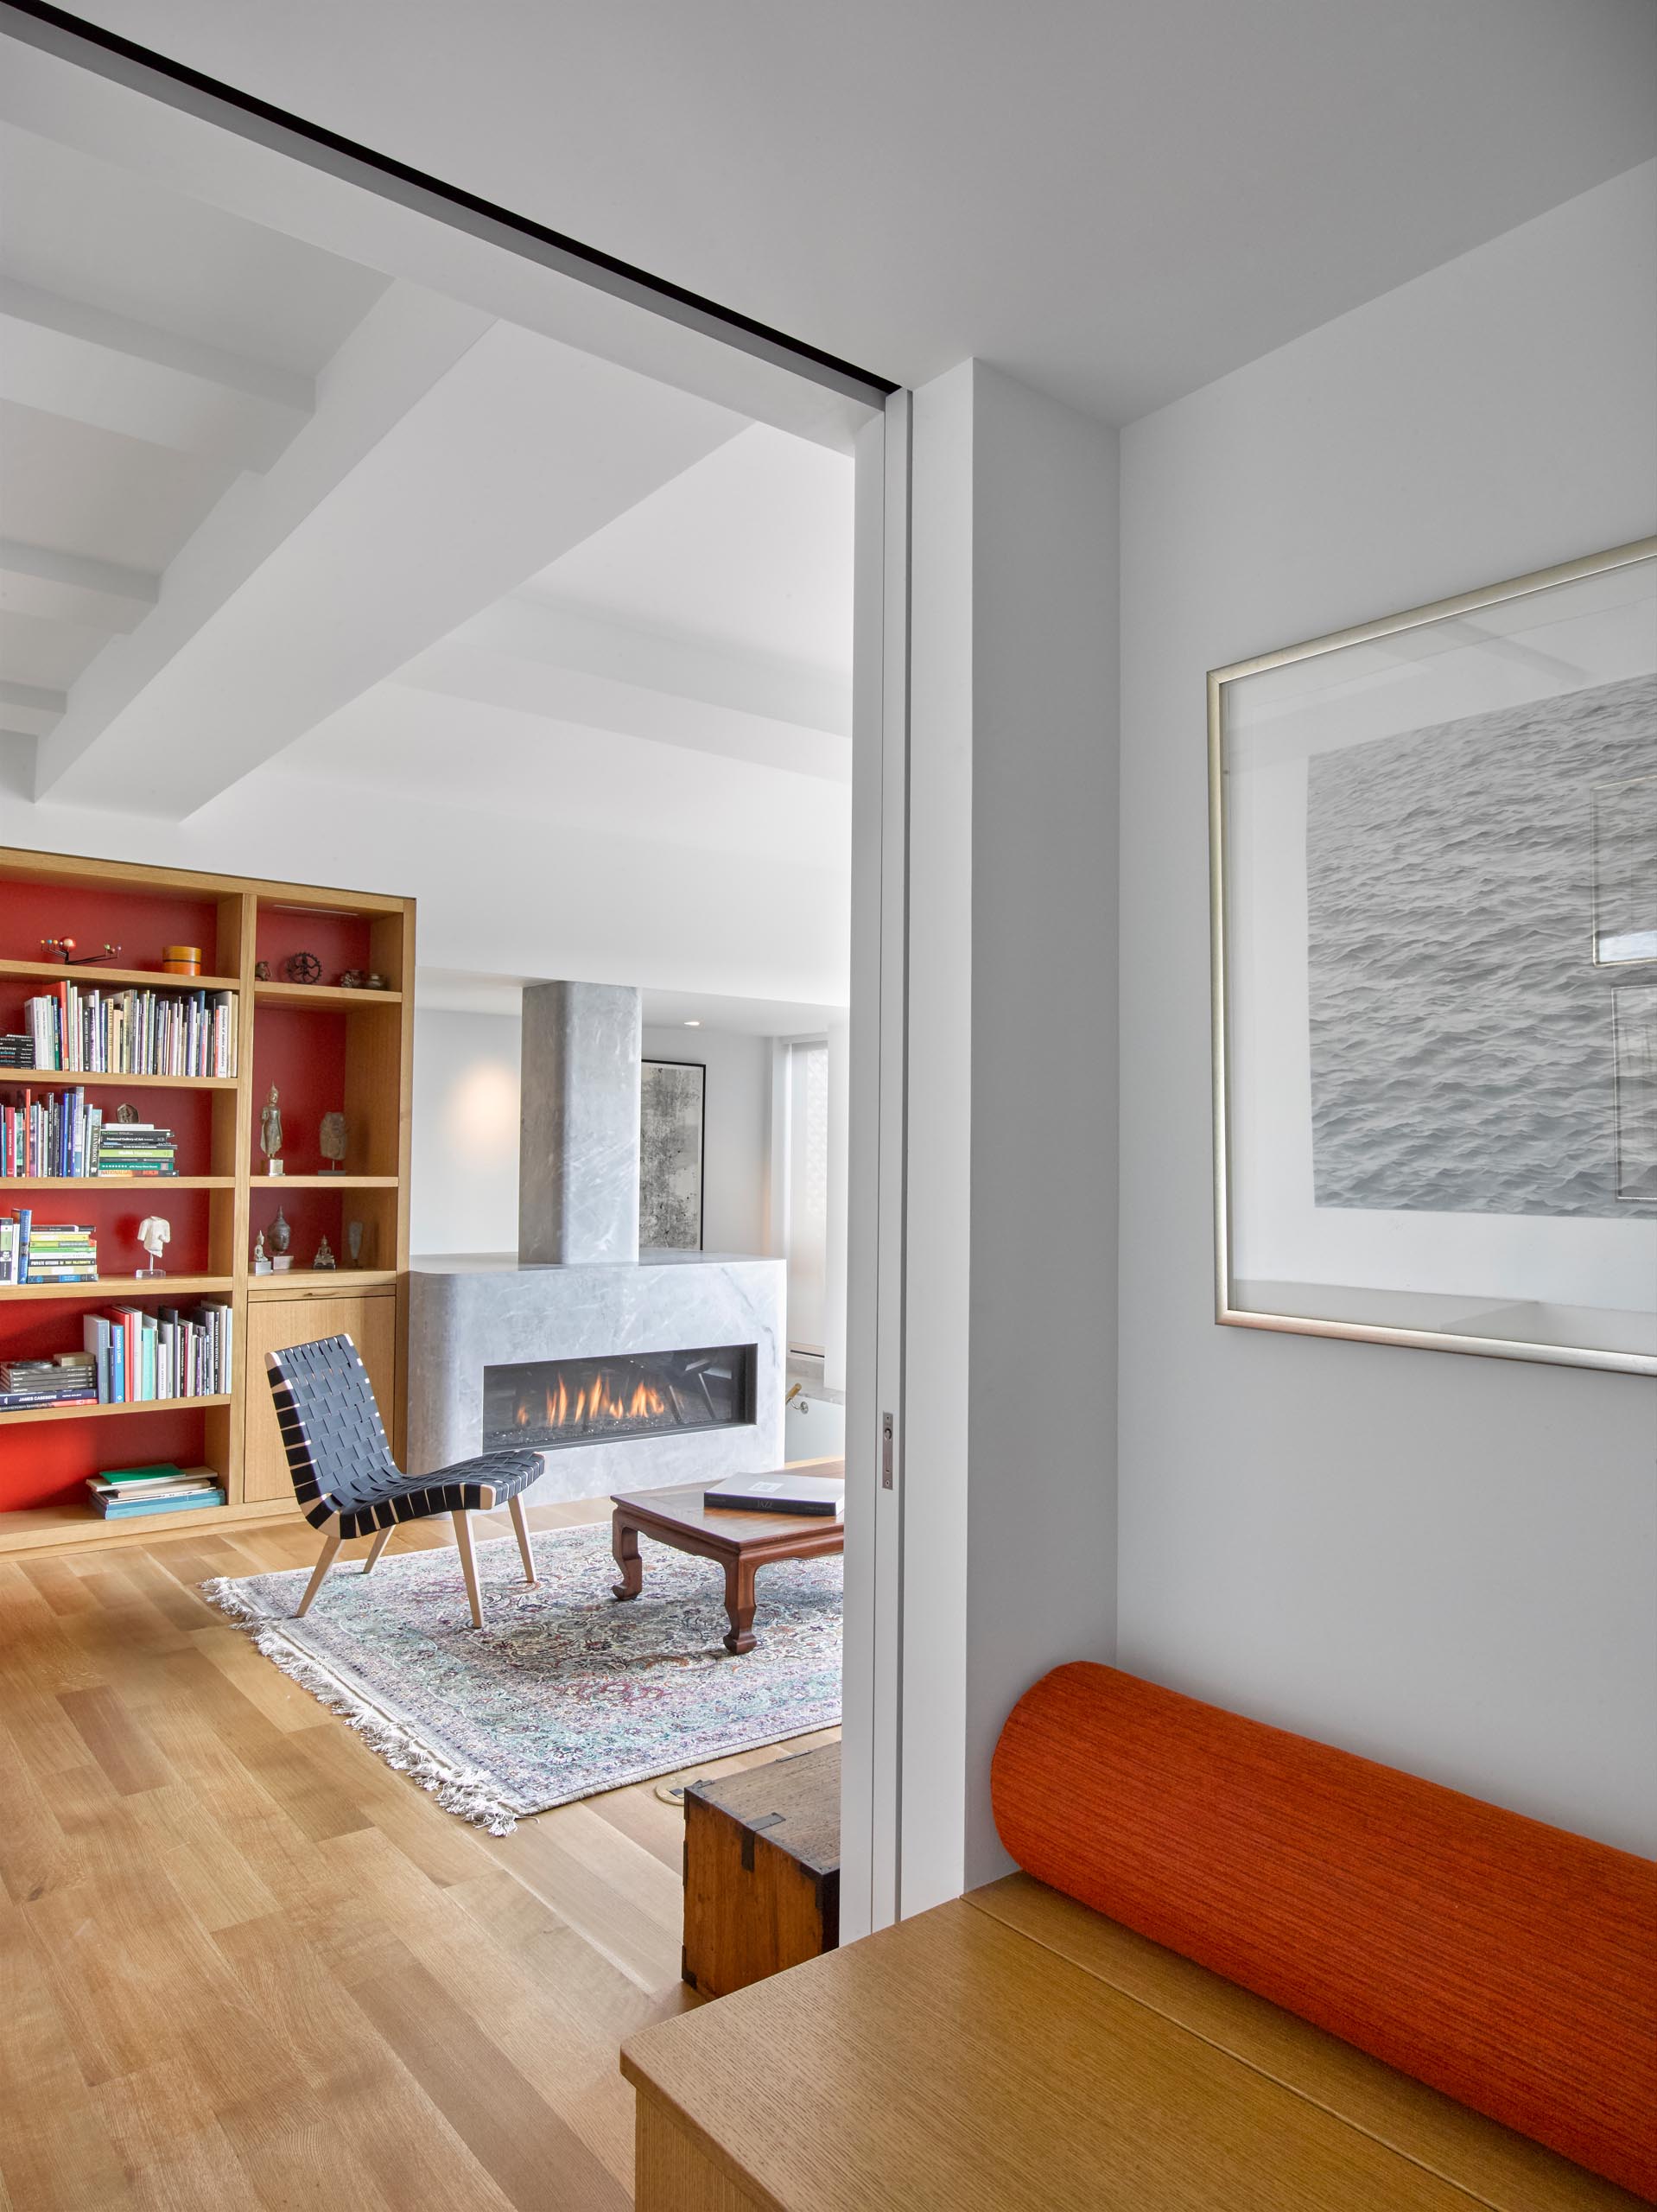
459, 1489
341, 1463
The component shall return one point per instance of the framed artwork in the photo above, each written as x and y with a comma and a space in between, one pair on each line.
1433, 843
672, 1139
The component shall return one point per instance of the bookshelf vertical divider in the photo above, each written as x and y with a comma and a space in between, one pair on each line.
327, 1048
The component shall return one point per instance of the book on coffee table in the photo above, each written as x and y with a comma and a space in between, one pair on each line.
777, 1492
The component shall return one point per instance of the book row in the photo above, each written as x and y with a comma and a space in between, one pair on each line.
57, 1132
190, 1033
129, 1357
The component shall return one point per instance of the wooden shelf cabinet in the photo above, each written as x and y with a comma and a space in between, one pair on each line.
327, 1048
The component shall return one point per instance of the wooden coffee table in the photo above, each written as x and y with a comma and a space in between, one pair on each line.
741, 1542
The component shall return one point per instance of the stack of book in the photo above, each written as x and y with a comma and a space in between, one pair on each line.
16, 1050
46, 1252
167, 1354
31, 1385
133, 1032
123, 1493
134, 1148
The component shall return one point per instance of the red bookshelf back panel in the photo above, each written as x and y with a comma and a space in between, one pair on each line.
114, 1213
338, 941
311, 1215
303, 1053
188, 1114
47, 1463
140, 922
44, 1463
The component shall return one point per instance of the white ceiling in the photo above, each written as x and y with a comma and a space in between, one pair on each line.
76, 226
1115, 199
750, 548
280, 538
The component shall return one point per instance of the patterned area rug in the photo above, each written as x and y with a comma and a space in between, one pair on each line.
563, 1692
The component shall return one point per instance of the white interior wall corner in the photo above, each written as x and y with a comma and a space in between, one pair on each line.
1008, 1463
1438, 1560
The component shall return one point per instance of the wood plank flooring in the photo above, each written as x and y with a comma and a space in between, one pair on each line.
242, 1963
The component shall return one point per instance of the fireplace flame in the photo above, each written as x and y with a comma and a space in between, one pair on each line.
602, 1400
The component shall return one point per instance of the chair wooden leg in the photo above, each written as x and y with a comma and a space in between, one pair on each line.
468, 1565
377, 1546
524, 1553
331, 1544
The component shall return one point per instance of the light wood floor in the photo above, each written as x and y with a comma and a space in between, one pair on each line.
243, 1963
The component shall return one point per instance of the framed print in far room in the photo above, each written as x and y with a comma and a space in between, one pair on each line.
1434, 878
672, 1155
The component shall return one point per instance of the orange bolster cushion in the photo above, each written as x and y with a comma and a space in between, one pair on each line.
1511, 1964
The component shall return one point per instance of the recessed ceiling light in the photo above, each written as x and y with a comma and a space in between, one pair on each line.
693, 1025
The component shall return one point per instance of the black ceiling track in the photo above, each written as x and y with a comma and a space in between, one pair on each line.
67, 33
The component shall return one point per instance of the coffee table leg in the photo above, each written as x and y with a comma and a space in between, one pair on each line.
738, 1603
623, 1543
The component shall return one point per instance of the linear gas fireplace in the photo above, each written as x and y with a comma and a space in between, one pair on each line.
550, 1403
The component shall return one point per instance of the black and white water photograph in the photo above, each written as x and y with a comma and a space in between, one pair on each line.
1462, 1057
1437, 928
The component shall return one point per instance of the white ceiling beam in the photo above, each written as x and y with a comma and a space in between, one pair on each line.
55, 586
441, 469
535, 626
406, 343
30, 709
704, 713
65, 357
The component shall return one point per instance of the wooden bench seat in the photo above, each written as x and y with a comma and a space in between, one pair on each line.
1013, 2049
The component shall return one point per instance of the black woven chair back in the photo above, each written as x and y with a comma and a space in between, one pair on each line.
331, 1429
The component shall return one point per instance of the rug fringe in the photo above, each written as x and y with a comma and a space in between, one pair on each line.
460, 1790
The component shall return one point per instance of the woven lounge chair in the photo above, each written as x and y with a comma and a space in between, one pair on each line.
347, 1481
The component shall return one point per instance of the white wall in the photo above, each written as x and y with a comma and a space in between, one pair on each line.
466, 1129
463, 1194
1442, 1561
1008, 1463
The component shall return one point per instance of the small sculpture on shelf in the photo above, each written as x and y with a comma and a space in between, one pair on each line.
333, 1140
262, 971
302, 968
270, 1133
324, 1256
154, 1234
354, 1242
126, 1111
261, 1262
375, 981
354, 979
63, 949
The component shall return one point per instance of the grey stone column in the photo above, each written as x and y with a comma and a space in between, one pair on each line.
578, 1163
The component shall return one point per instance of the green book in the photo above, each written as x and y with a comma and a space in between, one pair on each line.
162, 1472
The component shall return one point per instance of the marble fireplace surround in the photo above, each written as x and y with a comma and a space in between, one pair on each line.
466, 1313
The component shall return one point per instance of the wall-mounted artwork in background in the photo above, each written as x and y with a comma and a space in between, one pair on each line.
1435, 879
671, 1155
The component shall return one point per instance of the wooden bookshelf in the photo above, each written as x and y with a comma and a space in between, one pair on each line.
167, 1290
15, 1417
327, 1048
93, 977
70, 1078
